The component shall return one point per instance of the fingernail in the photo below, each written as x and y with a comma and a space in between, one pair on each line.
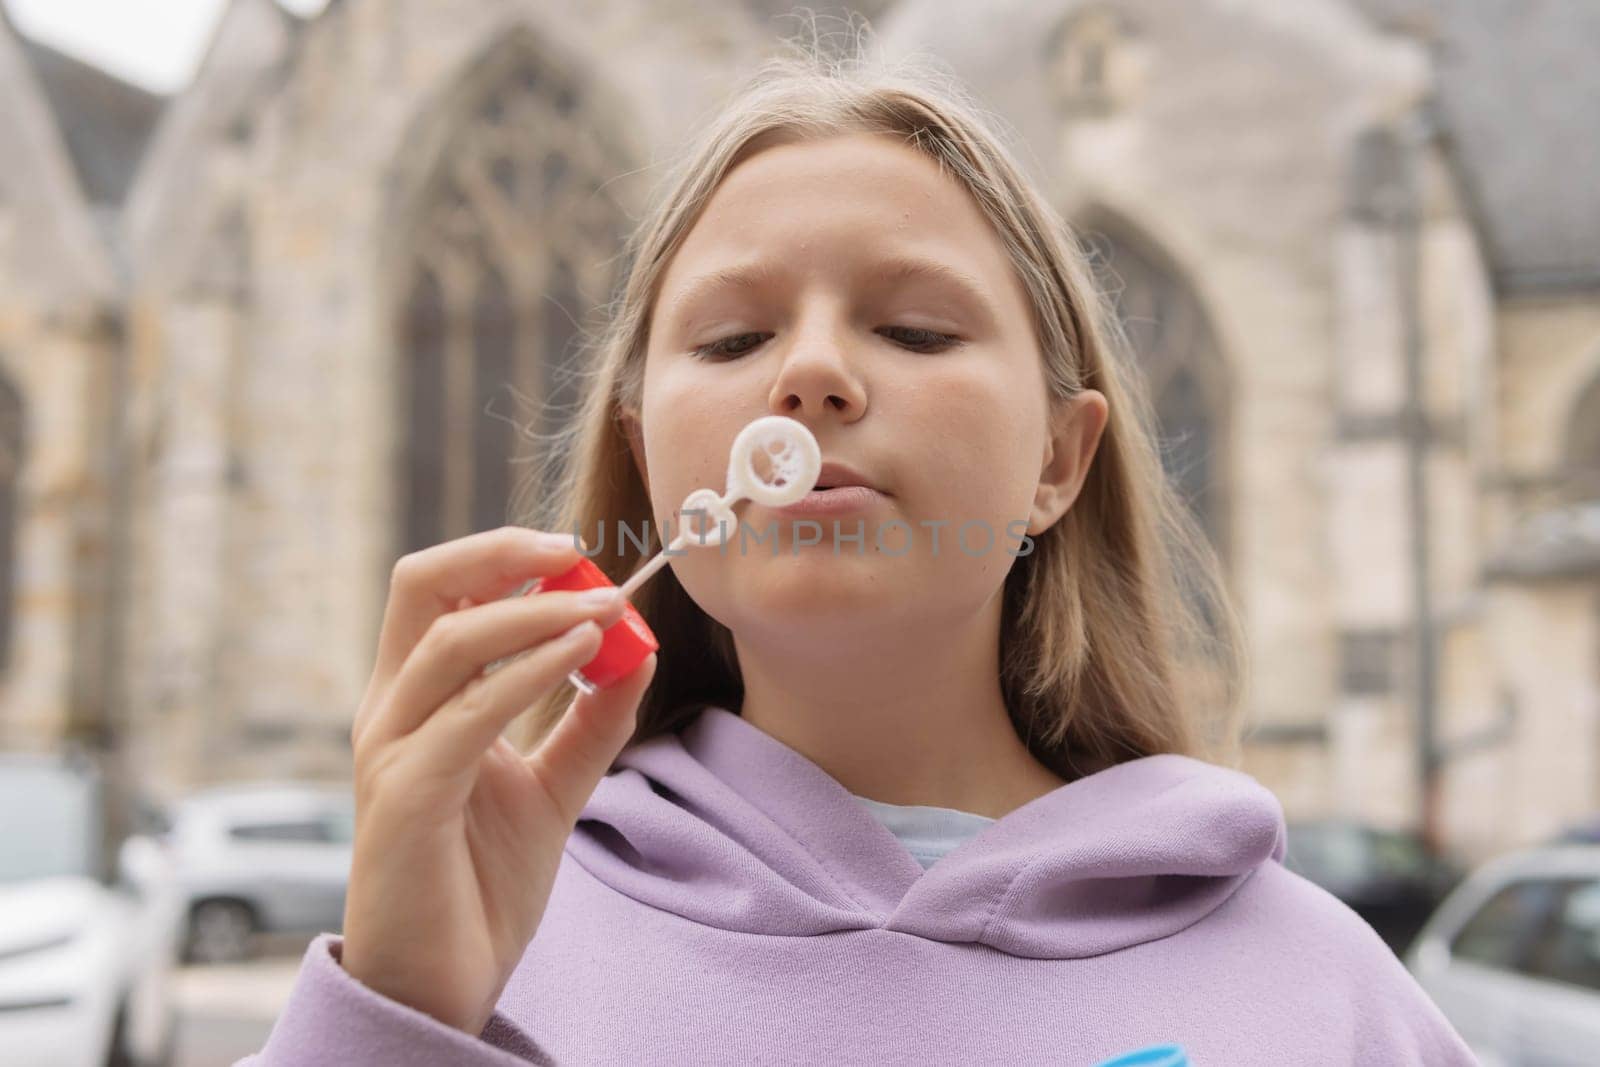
556, 539
599, 598
580, 632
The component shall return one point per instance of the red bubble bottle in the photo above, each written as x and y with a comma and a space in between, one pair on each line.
624, 645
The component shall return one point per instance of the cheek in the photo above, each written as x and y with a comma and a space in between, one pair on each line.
682, 428
977, 447
686, 434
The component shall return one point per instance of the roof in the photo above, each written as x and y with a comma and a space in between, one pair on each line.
104, 121
1518, 89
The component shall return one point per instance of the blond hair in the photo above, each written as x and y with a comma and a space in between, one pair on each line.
1118, 637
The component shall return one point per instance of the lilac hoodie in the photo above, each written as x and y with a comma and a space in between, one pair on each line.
722, 899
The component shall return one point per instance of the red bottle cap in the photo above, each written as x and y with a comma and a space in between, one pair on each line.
625, 644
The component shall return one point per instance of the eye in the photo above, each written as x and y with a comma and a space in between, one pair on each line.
728, 347
918, 339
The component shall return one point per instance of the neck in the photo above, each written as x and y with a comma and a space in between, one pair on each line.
908, 714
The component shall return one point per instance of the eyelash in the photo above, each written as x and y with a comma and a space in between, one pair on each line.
717, 352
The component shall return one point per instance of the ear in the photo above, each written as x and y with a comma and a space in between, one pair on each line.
633, 430
1075, 428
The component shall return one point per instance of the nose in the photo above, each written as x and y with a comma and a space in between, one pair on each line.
816, 378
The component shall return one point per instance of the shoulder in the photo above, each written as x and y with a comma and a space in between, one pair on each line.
1316, 910
1309, 932
1304, 918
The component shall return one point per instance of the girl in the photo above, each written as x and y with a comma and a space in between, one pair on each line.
912, 793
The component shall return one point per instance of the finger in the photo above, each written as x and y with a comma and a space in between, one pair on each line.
580, 748
377, 688
458, 649
484, 566
453, 739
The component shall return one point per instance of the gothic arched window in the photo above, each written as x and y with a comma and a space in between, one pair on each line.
423, 425
1181, 363
511, 240
494, 349
1189, 426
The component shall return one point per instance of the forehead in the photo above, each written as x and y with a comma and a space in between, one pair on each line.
845, 197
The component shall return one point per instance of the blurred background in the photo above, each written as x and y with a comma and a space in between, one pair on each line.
288, 288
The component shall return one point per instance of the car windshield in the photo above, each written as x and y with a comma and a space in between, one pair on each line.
49, 823
1328, 853
1399, 856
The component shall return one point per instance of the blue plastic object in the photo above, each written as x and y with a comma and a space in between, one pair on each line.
1153, 1056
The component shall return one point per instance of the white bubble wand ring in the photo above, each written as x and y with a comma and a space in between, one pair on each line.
774, 461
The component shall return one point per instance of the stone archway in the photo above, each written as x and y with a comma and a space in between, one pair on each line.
510, 238
1181, 360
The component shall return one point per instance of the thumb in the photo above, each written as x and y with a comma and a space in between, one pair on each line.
576, 753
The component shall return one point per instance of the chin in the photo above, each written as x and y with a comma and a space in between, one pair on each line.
814, 582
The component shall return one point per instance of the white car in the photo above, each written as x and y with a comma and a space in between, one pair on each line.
87, 945
270, 857
1512, 958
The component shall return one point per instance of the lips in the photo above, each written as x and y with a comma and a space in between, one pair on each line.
836, 475
840, 490
842, 500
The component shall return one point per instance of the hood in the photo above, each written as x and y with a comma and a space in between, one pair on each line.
47, 912
725, 825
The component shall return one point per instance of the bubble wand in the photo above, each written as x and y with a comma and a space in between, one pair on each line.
792, 462
774, 461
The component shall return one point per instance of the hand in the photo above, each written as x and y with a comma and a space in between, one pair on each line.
458, 835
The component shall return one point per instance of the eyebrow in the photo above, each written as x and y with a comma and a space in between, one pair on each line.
763, 274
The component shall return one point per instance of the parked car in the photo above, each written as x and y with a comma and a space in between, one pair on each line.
88, 931
1512, 958
261, 858
1582, 832
1387, 877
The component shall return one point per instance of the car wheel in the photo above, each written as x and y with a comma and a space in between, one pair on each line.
119, 1056
220, 931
